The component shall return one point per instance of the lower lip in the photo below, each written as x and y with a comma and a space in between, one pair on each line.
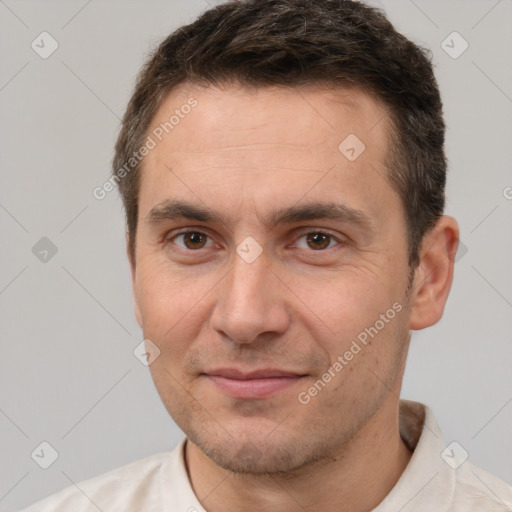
253, 388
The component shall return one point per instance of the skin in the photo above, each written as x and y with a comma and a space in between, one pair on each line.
245, 153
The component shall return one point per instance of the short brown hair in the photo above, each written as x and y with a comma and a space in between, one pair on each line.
304, 42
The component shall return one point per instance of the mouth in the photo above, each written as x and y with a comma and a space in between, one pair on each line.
253, 385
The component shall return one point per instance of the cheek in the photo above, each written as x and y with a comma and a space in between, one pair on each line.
171, 304
343, 302
357, 321
364, 363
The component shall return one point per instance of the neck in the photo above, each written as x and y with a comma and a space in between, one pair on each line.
356, 478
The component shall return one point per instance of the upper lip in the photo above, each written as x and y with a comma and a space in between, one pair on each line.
233, 373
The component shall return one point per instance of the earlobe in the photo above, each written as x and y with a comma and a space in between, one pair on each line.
434, 274
131, 260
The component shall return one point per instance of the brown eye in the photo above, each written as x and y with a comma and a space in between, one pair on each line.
191, 240
318, 240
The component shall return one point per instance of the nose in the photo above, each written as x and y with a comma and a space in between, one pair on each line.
251, 303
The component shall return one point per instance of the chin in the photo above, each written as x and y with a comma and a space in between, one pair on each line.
256, 460
258, 454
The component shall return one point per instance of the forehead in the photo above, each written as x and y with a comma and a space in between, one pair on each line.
261, 142
314, 116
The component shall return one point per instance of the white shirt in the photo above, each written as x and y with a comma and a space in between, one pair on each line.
435, 480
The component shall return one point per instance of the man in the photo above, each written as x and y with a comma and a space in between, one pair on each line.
281, 163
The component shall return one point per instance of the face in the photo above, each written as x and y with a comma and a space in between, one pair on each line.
271, 271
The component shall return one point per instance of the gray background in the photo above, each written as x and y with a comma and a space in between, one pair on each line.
68, 375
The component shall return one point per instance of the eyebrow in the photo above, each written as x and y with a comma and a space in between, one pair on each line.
177, 209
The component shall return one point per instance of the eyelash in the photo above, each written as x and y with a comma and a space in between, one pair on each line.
170, 239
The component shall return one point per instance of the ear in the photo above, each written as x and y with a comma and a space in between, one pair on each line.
434, 275
131, 259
